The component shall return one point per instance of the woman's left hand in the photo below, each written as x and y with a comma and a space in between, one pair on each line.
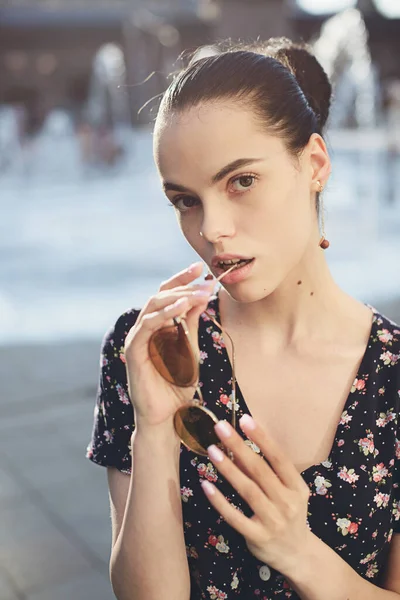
277, 533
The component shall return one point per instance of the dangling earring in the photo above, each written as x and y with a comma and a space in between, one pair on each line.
323, 242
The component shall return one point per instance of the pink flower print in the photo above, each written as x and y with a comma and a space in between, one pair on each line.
381, 500
359, 385
348, 475
122, 395
375, 533
224, 399
385, 418
372, 570
218, 341
385, 336
397, 448
212, 540
389, 359
368, 558
345, 526
203, 356
108, 436
353, 528
379, 472
122, 357
215, 593
201, 469
345, 418
322, 485
340, 443
186, 493
207, 471
396, 510
382, 391
367, 446
104, 361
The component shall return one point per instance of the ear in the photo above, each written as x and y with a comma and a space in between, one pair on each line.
319, 161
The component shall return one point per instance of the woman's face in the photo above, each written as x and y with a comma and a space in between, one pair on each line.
243, 191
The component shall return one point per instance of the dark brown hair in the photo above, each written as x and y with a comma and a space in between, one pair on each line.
281, 82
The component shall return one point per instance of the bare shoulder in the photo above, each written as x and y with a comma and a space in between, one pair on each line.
392, 575
118, 486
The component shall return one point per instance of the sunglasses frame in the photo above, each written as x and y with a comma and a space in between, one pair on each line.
179, 322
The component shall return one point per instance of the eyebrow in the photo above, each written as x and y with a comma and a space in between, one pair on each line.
222, 173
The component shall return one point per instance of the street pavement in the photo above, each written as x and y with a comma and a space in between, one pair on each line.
55, 528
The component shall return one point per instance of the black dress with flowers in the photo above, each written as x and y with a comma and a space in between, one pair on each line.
354, 504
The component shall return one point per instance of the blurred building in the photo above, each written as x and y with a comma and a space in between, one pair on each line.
47, 47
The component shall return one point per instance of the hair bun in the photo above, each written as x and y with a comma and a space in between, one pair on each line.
310, 75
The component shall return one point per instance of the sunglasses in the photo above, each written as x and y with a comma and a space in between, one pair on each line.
173, 356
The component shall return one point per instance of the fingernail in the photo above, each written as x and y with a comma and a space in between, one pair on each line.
223, 429
194, 266
215, 453
208, 487
201, 294
248, 422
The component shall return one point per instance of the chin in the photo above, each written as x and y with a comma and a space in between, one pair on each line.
247, 292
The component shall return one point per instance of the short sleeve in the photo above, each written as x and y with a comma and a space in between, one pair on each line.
113, 413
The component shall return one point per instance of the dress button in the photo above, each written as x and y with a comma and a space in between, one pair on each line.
264, 573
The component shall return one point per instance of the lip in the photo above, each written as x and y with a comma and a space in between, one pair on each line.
219, 257
237, 274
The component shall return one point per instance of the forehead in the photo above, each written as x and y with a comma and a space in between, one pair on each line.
203, 139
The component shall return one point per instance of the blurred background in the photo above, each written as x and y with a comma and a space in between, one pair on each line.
86, 233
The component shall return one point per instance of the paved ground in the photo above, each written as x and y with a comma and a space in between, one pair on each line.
55, 526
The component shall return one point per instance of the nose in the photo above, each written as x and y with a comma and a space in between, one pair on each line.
218, 222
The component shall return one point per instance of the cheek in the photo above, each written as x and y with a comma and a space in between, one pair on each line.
283, 224
190, 229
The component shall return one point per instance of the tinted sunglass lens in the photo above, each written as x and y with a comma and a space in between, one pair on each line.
172, 356
195, 427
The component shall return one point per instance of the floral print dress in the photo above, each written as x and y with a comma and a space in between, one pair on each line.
354, 504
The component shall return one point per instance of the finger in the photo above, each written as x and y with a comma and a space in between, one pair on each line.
276, 457
183, 277
163, 299
255, 466
230, 514
138, 337
249, 488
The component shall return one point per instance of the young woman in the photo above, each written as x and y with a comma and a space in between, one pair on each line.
304, 501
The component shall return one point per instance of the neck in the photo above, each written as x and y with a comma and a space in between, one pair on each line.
308, 304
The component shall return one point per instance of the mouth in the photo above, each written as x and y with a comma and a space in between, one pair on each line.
236, 263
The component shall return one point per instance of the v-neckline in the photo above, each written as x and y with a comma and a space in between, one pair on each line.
243, 407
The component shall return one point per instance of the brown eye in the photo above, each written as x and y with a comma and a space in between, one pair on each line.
184, 203
243, 182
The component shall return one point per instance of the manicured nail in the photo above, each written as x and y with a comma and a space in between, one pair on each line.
208, 487
201, 293
248, 422
194, 266
215, 453
223, 429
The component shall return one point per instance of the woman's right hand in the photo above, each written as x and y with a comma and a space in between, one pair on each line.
154, 400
